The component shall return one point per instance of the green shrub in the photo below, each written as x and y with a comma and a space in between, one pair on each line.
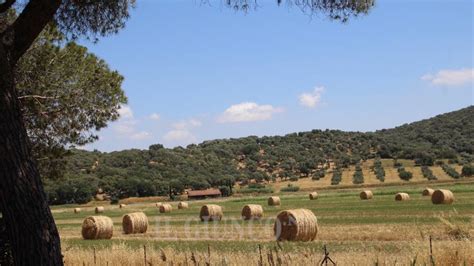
336, 177
225, 191
427, 173
260, 190
358, 177
404, 174
378, 170
294, 178
467, 170
290, 188
450, 171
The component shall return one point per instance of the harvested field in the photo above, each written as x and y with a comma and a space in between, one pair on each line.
380, 229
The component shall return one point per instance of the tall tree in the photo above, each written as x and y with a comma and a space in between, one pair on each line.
29, 222
66, 95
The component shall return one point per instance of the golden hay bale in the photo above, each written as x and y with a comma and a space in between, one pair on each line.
296, 225
427, 192
313, 195
211, 212
274, 201
366, 195
77, 210
252, 212
99, 209
135, 223
402, 196
442, 196
97, 227
183, 205
164, 208
122, 206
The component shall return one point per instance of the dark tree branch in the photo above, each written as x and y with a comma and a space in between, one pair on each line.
5, 6
30, 23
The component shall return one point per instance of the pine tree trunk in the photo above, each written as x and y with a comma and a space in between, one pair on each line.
28, 219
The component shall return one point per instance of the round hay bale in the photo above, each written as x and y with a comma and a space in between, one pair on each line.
183, 205
165, 208
427, 192
77, 210
99, 209
296, 225
135, 223
97, 227
274, 201
366, 195
442, 196
402, 196
211, 212
252, 212
122, 206
313, 195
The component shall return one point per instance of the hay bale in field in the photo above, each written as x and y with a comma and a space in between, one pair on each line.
135, 223
122, 206
442, 196
427, 192
165, 208
211, 212
274, 201
158, 204
183, 205
97, 227
99, 209
366, 195
313, 195
77, 210
296, 225
402, 196
252, 212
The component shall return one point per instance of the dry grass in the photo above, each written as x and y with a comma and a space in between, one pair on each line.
356, 232
445, 253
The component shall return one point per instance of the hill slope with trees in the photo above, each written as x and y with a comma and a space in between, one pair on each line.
221, 163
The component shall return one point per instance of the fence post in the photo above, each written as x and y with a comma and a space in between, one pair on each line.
144, 253
95, 258
431, 252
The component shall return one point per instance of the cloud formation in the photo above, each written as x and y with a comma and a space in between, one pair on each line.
155, 116
125, 112
248, 112
142, 135
125, 127
181, 133
311, 99
180, 136
450, 77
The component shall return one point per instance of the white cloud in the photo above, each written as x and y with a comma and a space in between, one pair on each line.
142, 135
450, 77
180, 135
187, 124
155, 116
248, 112
311, 99
125, 127
125, 112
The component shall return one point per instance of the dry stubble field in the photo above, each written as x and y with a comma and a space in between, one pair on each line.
380, 231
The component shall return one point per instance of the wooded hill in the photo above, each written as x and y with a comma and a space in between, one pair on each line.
220, 163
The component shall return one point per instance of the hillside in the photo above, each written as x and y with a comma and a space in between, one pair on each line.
160, 171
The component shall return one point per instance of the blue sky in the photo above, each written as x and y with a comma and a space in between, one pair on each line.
196, 72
